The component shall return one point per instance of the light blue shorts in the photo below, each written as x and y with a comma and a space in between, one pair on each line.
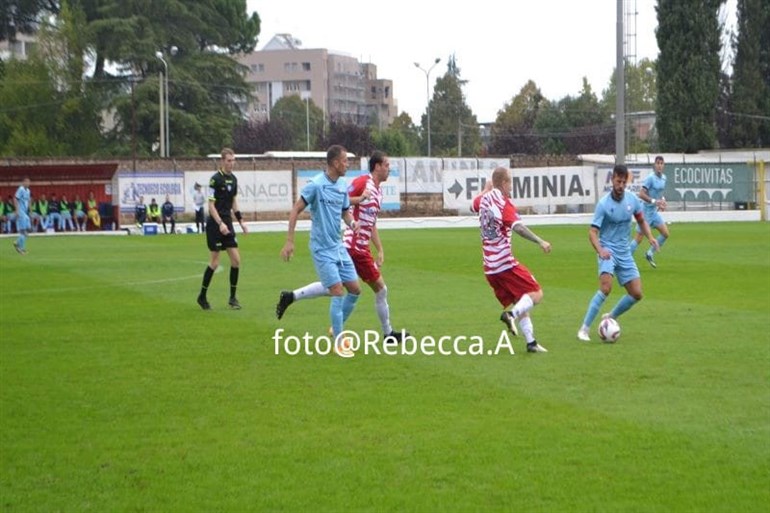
23, 223
623, 267
334, 266
654, 221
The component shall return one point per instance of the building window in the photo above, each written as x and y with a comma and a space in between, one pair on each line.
305, 66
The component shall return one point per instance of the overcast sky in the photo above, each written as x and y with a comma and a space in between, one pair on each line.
498, 44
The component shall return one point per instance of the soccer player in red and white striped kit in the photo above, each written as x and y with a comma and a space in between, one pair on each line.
515, 287
366, 201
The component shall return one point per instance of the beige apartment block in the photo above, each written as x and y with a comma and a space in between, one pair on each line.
344, 88
19, 48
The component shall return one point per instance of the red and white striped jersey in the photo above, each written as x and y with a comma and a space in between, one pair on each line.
497, 216
365, 213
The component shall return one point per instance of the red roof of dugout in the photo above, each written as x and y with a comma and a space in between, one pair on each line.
58, 172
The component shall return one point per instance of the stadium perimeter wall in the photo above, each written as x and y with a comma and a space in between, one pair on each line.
419, 188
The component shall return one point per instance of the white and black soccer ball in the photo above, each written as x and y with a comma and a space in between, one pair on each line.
609, 330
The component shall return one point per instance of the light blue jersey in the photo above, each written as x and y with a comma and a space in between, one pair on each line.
22, 197
655, 186
23, 222
613, 219
327, 201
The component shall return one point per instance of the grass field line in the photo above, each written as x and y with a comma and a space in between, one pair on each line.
60, 290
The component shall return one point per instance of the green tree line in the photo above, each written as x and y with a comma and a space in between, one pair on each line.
92, 85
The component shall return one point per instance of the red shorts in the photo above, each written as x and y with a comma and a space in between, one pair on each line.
511, 284
365, 266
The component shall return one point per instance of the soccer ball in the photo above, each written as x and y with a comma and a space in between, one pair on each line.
609, 330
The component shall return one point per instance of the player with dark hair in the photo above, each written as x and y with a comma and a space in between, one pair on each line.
220, 234
609, 234
654, 203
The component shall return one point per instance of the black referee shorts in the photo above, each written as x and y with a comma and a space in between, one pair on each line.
214, 238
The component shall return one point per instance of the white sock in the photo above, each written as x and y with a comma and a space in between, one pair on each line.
525, 323
310, 291
524, 305
383, 310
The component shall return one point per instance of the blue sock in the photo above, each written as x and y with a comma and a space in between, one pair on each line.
593, 307
661, 240
348, 304
22, 242
625, 303
335, 312
633, 245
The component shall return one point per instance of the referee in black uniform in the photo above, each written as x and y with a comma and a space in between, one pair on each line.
223, 205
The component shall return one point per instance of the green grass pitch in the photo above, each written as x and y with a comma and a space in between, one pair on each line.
117, 393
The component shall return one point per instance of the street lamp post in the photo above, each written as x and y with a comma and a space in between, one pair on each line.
306, 97
427, 92
163, 100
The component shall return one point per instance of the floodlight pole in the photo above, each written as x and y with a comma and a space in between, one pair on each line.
427, 92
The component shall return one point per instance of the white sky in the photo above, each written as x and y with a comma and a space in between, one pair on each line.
498, 44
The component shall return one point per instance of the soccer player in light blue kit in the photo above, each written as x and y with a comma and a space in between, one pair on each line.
327, 196
609, 235
654, 203
23, 223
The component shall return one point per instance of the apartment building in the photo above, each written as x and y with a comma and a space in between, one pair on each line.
19, 48
344, 88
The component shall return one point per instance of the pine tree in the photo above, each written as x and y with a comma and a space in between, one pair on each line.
688, 37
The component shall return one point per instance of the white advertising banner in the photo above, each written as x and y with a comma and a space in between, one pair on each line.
132, 186
425, 175
258, 191
418, 175
636, 176
531, 187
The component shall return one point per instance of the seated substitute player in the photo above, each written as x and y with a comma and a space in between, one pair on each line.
167, 211
654, 203
153, 212
366, 199
514, 285
609, 234
220, 234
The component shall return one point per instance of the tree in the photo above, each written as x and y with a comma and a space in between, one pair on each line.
50, 109
640, 96
298, 119
261, 137
206, 85
749, 107
513, 131
404, 125
23, 16
688, 37
641, 87
454, 127
391, 141
354, 138
28, 110
585, 125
